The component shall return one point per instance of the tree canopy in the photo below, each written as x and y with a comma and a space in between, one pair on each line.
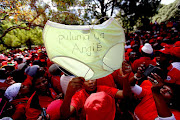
166, 12
21, 22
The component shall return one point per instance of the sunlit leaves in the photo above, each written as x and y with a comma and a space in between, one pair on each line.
167, 12
18, 37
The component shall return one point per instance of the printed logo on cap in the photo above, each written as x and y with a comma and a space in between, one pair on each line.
168, 78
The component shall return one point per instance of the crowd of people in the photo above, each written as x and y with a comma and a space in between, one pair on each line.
146, 87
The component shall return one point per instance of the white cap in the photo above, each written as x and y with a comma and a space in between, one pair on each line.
12, 91
147, 48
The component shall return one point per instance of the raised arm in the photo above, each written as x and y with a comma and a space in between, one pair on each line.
161, 105
126, 93
74, 85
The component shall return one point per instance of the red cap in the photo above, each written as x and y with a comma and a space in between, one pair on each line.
4, 63
100, 106
165, 50
175, 51
132, 43
163, 44
128, 51
159, 38
42, 60
151, 41
177, 44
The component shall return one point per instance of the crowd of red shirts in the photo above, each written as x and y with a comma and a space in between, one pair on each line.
14, 65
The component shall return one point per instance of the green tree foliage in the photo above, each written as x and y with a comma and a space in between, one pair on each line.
130, 11
98, 9
18, 37
167, 12
133, 11
65, 12
19, 20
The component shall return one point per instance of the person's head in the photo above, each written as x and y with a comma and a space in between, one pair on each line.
170, 93
166, 92
32, 70
147, 50
41, 84
8, 67
54, 69
132, 56
40, 81
15, 90
135, 48
163, 58
37, 62
19, 60
90, 85
100, 106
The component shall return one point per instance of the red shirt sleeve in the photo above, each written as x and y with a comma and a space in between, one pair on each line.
146, 89
109, 90
79, 99
106, 81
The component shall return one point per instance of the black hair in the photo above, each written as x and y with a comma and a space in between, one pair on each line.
147, 55
174, 103
40, 73
37, 62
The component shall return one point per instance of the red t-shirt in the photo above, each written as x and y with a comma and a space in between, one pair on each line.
146, 109
20, 105
80, 97
106, 81
33, 113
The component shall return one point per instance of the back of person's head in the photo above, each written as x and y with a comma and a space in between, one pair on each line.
12, 91
18, 75
100, 106
37, 62
135, 47
40, 73
147, 49
54, 69
32, 70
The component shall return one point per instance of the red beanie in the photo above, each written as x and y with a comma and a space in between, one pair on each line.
100, 106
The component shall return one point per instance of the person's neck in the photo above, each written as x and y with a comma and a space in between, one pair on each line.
90, 92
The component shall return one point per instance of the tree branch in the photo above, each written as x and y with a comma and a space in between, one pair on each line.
107, 4
12, 28
96, 4
19, 26
4, 17
108, 9
113, 7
